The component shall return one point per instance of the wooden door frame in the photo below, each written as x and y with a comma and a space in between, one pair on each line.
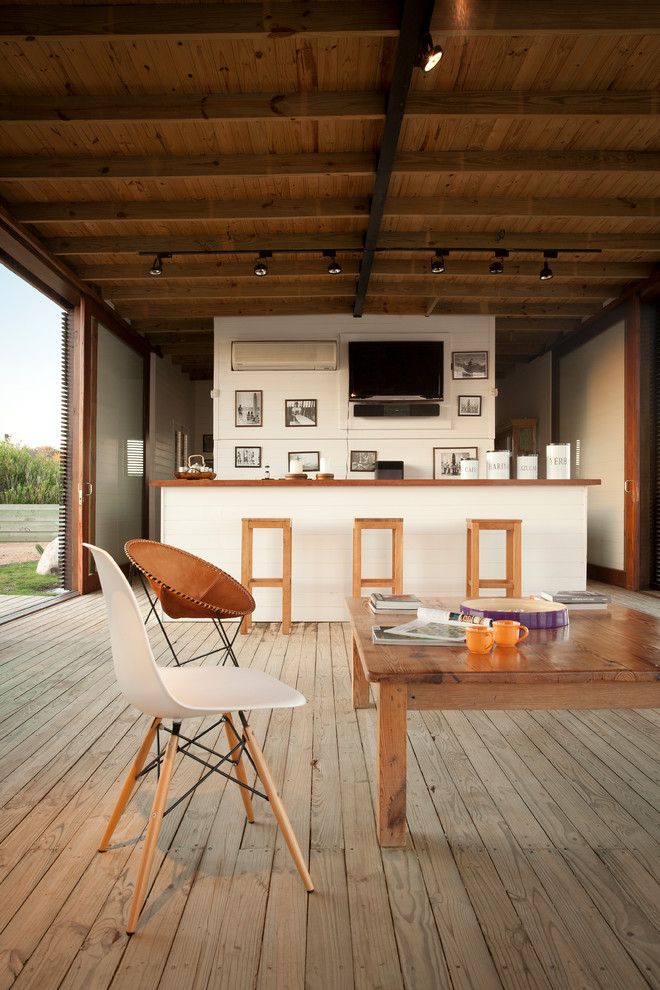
91, 316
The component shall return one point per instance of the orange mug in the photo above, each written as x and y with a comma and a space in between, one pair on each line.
479, 639
508, 632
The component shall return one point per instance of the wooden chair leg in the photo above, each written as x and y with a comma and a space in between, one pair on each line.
357, 562
278, 807
233, 738
246, 569
129, 783
286, 580
155, 819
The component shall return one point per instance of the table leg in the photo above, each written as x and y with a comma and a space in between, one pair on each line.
392, 706
359, 683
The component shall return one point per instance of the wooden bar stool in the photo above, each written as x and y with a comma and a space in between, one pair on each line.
512, 583
395, 582
247, 578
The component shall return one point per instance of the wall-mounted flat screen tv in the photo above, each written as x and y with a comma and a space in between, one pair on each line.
395, 369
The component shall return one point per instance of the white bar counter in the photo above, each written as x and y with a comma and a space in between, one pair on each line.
204, 518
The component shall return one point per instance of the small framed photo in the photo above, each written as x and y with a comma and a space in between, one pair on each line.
249, 408
469, 364
300, 412
247, 457
447, 460
309, 459
363, 460
207, 443
469, 405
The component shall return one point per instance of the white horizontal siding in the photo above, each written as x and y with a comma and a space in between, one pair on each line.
207, 521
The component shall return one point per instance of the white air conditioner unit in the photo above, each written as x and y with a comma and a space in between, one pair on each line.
284, 355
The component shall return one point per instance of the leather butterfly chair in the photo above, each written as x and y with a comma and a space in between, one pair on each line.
177, 693
189, 587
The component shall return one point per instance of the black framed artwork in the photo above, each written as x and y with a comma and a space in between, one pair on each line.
247, 457
469, 364
300, 412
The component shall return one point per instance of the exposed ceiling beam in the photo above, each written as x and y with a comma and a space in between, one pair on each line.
415, 16
269, 21
218, 209
400, 240
561, 17
278, 209
344, 163
516, 324
493, 288
161, 310
191, 107
366, 105
264, 21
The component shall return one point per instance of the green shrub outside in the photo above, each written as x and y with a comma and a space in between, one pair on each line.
27, 476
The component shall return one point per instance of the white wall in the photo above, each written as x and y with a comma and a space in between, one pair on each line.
526, 393
591, 404
338, 432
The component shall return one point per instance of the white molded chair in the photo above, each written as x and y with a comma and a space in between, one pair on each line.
186, 692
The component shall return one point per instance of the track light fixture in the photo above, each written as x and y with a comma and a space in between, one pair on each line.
157, 267
497, 267
438, 263
260, 265
546, 272
428, 55
334, 268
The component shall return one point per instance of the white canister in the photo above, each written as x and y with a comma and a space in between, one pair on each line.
497, 463
558, 461
527, 467
470, 467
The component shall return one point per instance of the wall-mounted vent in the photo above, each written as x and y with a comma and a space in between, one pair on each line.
284, 355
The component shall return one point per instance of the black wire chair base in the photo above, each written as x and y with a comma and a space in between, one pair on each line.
212, 760
227, 640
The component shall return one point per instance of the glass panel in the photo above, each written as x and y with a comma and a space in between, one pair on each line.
119, 444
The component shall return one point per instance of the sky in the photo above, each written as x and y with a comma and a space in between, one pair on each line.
30, 364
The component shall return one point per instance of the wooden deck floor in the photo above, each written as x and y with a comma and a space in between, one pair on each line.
531, 862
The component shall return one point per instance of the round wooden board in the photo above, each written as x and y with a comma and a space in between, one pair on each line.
530, 612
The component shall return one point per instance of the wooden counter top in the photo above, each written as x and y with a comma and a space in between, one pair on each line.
358, 482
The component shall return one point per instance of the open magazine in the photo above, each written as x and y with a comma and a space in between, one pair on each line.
432, 625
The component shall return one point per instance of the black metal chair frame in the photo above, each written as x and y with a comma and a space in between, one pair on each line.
227, 641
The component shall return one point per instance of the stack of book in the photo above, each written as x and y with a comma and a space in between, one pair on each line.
577, 599
378, 602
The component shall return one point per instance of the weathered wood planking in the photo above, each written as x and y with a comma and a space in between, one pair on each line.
532, 838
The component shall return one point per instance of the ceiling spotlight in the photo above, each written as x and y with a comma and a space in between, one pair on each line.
546, 272
260, 266
428, 54
437, 263
157, 267
497, 267
334, 268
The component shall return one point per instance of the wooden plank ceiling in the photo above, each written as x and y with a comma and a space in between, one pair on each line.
208, 132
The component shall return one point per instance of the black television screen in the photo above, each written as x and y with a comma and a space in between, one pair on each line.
395, 369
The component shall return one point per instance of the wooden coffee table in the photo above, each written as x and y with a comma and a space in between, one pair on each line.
606, 658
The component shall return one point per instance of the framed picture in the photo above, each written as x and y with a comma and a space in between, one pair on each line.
247, 457
207, 443
469, 405
447, 460
308, 458
363, 460
300, 412
469, 364
249, 408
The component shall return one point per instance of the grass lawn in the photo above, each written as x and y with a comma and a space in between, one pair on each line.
22, 579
